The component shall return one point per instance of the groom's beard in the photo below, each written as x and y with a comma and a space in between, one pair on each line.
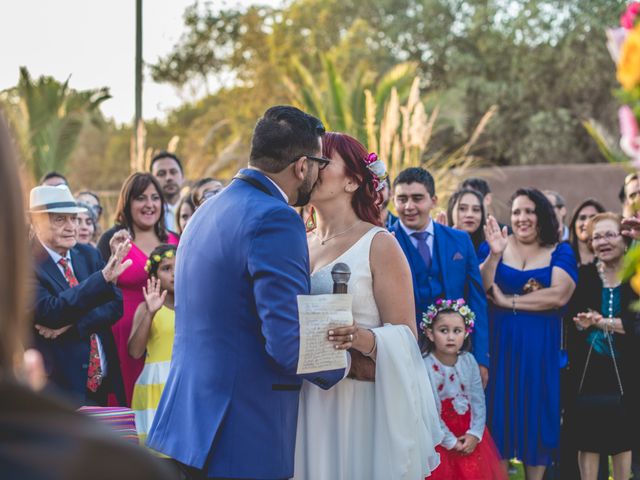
304, 192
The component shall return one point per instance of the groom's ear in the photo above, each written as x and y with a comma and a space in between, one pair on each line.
300, 167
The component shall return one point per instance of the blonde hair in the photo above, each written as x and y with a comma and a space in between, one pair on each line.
599, 218
14, 257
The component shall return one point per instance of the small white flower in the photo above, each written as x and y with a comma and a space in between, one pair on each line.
378, 169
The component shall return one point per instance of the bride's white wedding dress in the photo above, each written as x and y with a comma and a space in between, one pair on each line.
359, 430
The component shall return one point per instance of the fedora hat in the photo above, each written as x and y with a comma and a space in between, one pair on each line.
46, 199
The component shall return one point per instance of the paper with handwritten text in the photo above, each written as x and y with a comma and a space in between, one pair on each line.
318, 314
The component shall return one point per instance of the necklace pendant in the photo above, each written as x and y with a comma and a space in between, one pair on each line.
322, 242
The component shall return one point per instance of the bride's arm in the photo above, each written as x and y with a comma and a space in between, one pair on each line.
392, 284
392, 291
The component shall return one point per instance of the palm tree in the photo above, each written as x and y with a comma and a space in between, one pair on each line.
48, 116
402, 134
340, 103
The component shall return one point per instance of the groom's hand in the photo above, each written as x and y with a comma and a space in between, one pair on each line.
362, 368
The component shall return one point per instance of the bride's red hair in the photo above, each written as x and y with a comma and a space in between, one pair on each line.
366, 200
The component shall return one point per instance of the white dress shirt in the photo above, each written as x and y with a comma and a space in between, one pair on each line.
429, 228
170, 216
286, 197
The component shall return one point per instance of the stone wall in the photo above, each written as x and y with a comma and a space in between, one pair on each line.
574, 182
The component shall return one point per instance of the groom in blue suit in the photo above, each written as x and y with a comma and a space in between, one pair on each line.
442, 260
230, 405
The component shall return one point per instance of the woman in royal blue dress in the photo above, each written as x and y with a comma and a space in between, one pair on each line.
529, 278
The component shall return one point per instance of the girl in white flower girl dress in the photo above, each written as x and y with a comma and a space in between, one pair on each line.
467, 450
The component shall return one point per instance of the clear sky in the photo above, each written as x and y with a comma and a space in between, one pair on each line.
94, 42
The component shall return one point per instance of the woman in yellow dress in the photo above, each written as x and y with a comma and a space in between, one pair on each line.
152, 335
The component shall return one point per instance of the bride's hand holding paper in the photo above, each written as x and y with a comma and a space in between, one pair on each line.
343, 338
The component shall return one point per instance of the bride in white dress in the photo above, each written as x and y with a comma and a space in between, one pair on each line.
385, 429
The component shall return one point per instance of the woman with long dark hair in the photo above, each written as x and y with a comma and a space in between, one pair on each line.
336, 427
529, 278
140, 211
578, 235
465, 211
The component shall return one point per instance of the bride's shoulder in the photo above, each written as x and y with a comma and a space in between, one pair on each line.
385, 248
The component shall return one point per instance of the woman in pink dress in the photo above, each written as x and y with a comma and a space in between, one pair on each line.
140, 210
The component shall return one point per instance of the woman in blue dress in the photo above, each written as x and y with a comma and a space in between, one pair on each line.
529, 278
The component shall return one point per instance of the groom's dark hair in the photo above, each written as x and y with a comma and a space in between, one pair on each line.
282, 135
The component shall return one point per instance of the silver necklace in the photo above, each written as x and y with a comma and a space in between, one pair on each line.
325, 240
610, 288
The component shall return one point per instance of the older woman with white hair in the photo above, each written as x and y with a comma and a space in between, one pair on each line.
602, 420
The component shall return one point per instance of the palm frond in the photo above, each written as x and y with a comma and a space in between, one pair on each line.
608, 151
341, 118
398, 77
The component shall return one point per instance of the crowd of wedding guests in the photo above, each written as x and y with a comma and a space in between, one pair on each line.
555, 335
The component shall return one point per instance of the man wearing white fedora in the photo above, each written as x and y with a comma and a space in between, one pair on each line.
76, 300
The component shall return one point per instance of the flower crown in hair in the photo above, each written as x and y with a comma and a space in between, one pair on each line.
377, 169
157, 259
458, 306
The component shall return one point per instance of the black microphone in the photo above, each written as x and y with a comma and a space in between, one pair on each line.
340, 274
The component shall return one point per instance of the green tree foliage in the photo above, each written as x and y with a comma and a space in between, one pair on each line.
50, 117
542, 62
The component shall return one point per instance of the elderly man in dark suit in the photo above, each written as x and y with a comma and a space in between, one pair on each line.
76, 300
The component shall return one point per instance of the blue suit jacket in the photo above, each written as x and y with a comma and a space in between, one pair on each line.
230, 404
92, 307
460, 278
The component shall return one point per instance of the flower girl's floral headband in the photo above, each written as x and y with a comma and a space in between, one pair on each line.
458, 306
155, 260
377, 169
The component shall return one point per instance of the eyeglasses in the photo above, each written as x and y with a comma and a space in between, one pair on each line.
608, 236
323, 162
633, 195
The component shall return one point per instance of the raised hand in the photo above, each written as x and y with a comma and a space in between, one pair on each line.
152, 296
495, 237
118, 239
115, 266
630, 227
441, 218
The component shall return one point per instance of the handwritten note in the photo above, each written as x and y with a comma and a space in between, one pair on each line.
318, 314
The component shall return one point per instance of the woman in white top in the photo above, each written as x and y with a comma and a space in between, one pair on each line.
365, 429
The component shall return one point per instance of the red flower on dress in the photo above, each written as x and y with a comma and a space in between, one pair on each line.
451, 377
436, 368
440, 387
462, 387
